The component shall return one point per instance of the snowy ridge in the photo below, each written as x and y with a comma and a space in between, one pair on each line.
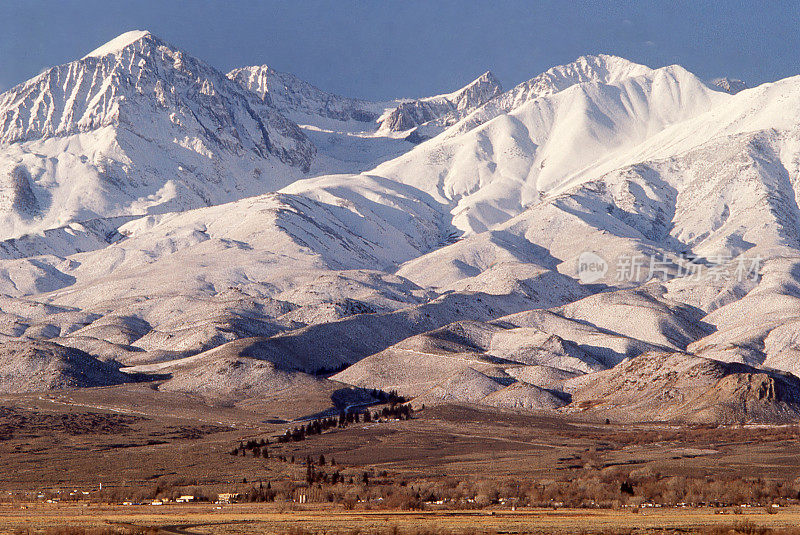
305, 103
354, 135
300, 100
442, 110
117, 44
601, 68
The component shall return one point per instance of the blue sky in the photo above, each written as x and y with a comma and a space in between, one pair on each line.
380, 49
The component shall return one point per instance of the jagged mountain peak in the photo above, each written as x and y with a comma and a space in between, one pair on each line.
139, 126
257, 79
487, 76
487, 79
596, 64
109, 86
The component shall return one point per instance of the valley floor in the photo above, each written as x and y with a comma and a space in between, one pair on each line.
143, 445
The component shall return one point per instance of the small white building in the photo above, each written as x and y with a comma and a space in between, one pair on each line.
185, 499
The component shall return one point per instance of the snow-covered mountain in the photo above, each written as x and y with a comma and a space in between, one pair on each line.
601, 68
454, 270
134, 127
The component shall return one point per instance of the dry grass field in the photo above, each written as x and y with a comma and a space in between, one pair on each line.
267, 519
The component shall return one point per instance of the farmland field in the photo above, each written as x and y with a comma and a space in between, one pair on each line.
252, 519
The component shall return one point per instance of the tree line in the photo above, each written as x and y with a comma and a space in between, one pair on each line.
320, 425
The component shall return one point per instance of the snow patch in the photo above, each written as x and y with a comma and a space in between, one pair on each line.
118, 43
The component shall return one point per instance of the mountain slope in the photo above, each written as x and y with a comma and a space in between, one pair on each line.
658, 387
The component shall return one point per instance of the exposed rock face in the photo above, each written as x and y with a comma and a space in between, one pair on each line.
16, 195
729, 85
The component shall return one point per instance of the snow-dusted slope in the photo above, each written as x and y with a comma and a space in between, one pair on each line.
328, 224
38, 366
137, 126
660, 387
